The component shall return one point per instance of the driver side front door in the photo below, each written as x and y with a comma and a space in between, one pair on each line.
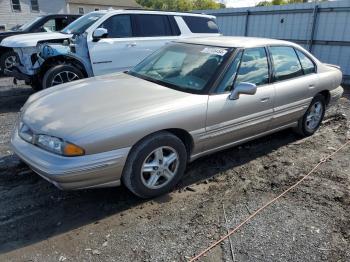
232, 121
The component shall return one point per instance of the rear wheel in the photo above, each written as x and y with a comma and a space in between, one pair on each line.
8, 60
155, 165
61, 74
312, 119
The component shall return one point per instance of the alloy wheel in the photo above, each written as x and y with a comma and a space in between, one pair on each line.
64, 77
159, 167
314, 116
10, 61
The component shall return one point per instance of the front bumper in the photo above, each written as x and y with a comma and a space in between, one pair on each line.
71, 173
335, 95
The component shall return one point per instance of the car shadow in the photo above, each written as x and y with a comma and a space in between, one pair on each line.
32, 209
13, 98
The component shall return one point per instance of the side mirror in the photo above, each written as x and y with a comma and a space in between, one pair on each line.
242, 88
99, 33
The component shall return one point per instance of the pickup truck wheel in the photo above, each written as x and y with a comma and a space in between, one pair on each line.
155, 165
8, 60
61, 74
312, 118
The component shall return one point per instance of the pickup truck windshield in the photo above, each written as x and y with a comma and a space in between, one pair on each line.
81, 24
26, 26
185, 67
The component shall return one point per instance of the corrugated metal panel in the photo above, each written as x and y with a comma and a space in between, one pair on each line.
294, 22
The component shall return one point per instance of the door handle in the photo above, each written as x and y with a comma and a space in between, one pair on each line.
265, 99
311, 86
131, 45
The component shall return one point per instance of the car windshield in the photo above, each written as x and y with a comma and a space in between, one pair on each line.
81, 24
26, 26
185, 67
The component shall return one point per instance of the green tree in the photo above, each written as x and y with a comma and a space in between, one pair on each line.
280, 2
180, 5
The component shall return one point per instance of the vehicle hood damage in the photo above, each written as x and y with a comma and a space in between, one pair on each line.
31, 40
32, 53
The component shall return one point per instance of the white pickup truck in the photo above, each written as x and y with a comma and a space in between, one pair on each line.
101, 42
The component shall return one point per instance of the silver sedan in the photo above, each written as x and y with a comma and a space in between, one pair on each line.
189, 99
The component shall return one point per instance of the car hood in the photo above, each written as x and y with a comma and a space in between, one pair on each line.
90, 105
9, 33
31, 40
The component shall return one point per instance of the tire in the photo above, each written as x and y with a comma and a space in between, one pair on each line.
4, 60
144, 154
36, 84
306, 126
68, 73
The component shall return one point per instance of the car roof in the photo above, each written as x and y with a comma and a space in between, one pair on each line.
155, 12
234, 41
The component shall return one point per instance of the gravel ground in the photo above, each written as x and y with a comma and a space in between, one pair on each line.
311, 223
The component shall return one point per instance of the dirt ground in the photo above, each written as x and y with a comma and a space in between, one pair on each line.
38, 222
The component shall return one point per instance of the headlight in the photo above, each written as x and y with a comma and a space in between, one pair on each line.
49, 143
58, 146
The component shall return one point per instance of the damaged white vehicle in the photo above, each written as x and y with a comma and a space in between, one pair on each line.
102, 42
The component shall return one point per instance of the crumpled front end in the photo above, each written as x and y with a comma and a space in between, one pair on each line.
74, 48
31, 59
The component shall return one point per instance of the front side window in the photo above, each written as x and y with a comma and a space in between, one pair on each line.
16, 5
251, 66
50, 26
254, 67
34, 5
201, 24
185, 67
306, 63
286, 63
118, 26
153, 25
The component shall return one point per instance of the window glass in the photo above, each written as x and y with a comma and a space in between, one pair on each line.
61, 23
230, 76
306, 63
254, 67
286, 63
201, 24
81, 10
16, 5
34, 5
185, 67
81, 24
153, 25
50, 26
118, 26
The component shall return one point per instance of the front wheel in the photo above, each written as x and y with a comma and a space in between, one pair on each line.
312, 119
8, 60
155, 165
61, 74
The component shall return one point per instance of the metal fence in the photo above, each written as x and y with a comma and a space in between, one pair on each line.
322, 28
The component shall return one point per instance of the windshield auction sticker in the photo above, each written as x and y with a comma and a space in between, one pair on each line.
214, 51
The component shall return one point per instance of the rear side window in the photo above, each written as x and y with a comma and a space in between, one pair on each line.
118, 26
286, 63
153, 25
201, 24
306, 63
